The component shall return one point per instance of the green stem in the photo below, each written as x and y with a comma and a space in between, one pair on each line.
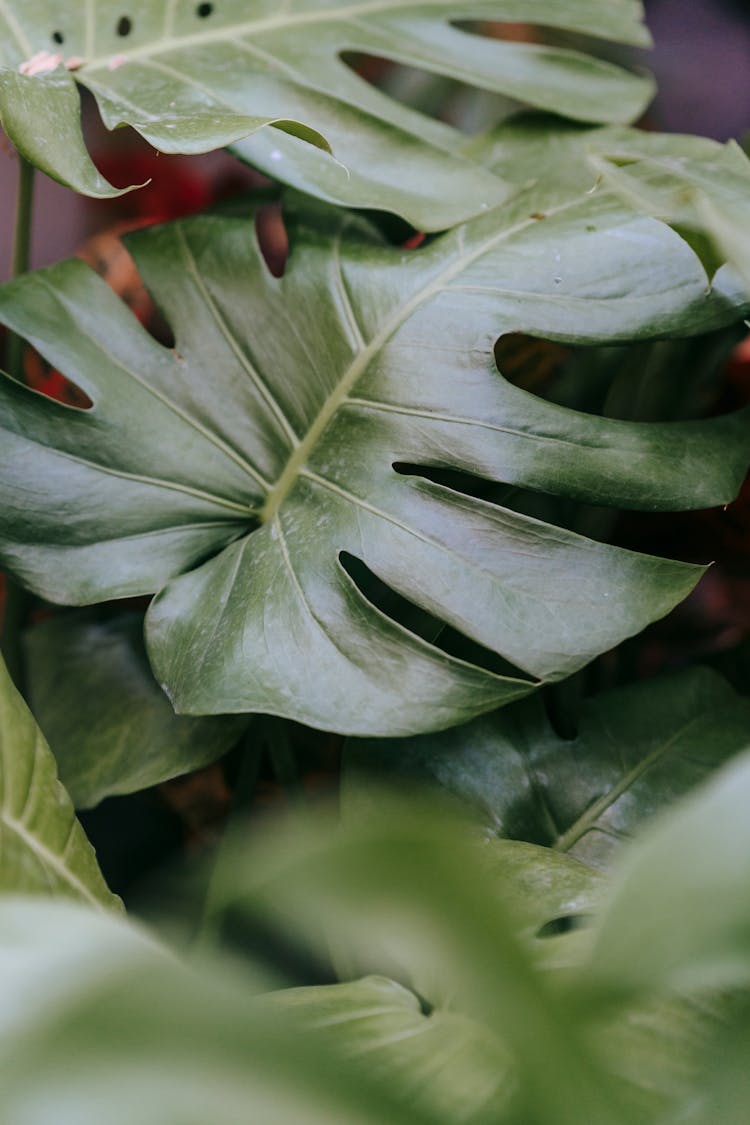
17, 600
21, 255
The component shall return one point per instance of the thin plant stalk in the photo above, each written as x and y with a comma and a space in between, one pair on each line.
17, 599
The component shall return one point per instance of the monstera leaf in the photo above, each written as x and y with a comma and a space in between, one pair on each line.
306, 427
191, 77
638, 749
43, 849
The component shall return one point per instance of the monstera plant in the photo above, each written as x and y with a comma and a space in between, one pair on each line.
345, 510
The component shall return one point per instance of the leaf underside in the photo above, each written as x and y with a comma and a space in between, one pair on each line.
274, 80
304, 422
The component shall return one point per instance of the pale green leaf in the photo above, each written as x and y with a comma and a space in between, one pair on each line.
193, 77
360, 359
679, 912
100, 1023
110, 726
441, 1059
43, 849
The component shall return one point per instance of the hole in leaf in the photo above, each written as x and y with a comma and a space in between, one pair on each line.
538, 505
423, 623
446, 99
272, 237
203, 11
58, 37
565, 924
480, 488
41, 376
393, 605
529, 361
124, 26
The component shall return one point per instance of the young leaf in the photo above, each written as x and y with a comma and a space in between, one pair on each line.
193, 77
43, 849
637, 750
338, 396
110, 725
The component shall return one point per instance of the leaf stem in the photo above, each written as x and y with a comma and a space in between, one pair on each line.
21, 255
18, 600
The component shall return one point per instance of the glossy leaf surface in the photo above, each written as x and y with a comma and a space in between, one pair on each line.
638, 749
43, 849
360, 360
193, 77
110, 725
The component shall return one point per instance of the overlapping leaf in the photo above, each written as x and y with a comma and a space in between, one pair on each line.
191, 77
711, 199
637, 750
291, 403
110, 726
43, 848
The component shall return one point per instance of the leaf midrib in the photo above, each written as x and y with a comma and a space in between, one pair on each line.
47, 857
592, 814
390, 326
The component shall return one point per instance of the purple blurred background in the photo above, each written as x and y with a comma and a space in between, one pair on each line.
701, 61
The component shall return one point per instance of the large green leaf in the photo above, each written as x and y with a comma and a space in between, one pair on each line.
43, 849
192, 77
110, 726
637, 750
361, 359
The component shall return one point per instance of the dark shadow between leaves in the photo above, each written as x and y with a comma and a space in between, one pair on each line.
443, 637
456, 103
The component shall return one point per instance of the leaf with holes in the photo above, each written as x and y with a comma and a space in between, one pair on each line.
191, 77
638, 749
301, 443
43, 849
